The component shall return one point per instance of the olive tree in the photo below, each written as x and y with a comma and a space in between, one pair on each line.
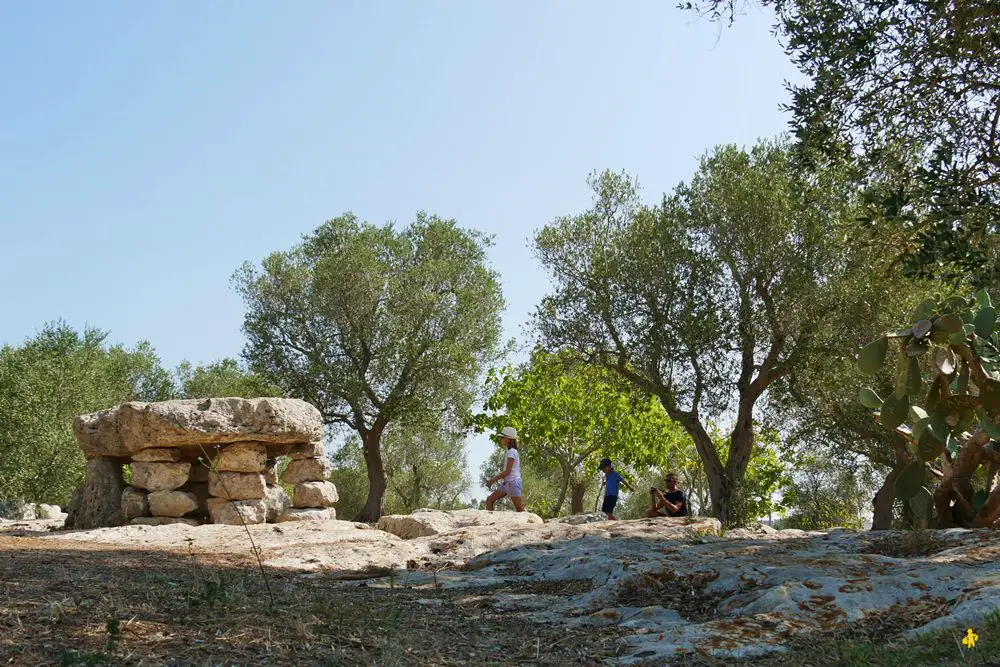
909, 93
817, 405
375, 325
225, 377
707, 299
45, 383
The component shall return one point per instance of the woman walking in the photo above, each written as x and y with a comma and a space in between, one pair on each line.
511, 474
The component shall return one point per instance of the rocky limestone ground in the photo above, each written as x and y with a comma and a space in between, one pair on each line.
456, 587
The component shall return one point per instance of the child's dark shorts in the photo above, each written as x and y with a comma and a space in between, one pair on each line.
609, 504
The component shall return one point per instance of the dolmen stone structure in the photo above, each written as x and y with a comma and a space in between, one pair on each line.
202, 460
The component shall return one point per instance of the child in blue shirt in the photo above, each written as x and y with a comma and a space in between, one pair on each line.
612, 480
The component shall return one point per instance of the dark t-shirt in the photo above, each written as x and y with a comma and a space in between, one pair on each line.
675, 496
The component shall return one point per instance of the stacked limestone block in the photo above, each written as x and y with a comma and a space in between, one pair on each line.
194, 461
313, 496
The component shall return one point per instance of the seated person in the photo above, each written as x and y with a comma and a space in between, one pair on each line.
667, 503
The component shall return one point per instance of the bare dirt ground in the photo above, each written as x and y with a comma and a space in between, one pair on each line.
87, 604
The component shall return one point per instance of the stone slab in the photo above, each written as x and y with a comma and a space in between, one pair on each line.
308, 514
236, 485
242, 457
172, 503
314, 494
163, 521
237, 512
191, 422
307, 470
162, 454
134, 503
306, 450
157, 476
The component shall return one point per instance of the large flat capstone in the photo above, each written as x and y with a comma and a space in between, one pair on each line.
191, 423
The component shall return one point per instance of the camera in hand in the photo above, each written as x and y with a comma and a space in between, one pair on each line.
653, 490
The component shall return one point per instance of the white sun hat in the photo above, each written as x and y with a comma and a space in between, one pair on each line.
509, 432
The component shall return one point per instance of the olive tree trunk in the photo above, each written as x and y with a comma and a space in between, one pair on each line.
372, 511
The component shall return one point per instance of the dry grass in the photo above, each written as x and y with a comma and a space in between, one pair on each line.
684, 593
913, 544
84, 605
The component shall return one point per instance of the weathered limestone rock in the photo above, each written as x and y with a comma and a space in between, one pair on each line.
17, 510
242, 457
426, 522
236, 485
276, 502
314, 494
163, 521
172, 503
97, 503
271, 472
307, 470
578, 519
97, 434
192, 422
237, 512
157, 476
763, 592
134, 504
43, 511
307, 450
308, 514
216, 447
162, 454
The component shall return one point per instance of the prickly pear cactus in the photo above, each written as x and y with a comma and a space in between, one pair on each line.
946, 403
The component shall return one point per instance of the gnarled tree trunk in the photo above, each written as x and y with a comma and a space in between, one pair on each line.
724, 481
883, 502
372, 511
718, 484
579, 489
563, 486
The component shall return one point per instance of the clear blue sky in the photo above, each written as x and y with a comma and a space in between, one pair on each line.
148, 148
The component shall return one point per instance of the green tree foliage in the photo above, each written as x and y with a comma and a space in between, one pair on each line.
424, 468
817, 405
375, 325
923, 76
350, 477
573, 414
767, 479
223, 378
946, 403
826, 492
44, 385
708, 299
